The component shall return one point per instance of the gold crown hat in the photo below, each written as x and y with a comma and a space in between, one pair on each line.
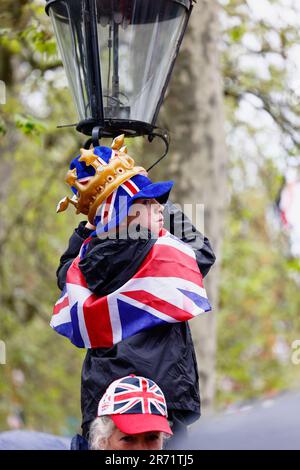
92, 187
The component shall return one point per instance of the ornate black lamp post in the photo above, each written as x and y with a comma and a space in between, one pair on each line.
118, 56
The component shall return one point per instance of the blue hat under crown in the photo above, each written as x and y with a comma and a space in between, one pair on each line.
106, 182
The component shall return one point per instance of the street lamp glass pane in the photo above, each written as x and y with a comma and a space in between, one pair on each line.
71, 37
138, 40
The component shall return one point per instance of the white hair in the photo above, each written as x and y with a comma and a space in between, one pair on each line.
100, 431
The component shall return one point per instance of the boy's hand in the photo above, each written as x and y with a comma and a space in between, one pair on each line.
90, 226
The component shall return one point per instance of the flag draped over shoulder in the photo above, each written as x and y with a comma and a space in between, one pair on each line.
167, 288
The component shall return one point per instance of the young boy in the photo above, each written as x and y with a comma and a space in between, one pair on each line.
165, 353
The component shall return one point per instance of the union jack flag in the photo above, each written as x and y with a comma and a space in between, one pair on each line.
167, 288
133, 394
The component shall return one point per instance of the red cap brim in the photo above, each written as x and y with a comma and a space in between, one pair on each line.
138, 423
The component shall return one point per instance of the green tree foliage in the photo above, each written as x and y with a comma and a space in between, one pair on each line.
34, 157
260, 295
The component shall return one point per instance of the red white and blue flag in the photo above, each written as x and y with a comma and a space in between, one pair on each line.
167, 288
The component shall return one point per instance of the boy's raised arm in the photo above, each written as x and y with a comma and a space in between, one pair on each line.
75, 242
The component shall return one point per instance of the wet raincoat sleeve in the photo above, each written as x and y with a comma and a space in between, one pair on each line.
75, 242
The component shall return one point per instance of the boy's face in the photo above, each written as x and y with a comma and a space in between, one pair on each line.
148, 213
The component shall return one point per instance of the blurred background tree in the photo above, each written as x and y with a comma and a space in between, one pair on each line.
40, 384
259, 308
256, 281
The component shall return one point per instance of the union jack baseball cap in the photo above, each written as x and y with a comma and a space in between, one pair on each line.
135, 404
116, 206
